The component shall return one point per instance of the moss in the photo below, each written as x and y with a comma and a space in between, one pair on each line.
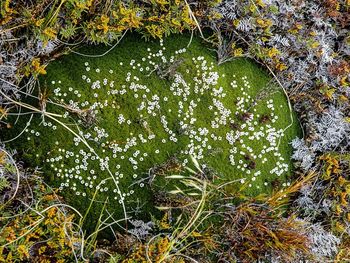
67, 72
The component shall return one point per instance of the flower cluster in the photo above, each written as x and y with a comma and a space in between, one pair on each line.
193, 112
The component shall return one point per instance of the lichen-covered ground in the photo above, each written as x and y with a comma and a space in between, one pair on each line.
127, 113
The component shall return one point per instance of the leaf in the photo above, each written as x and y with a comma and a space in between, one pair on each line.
340, 227
281, 66
329, 170
273, 52
4, 183
6, 6
196, 234
9, 257
50, 32
39, 22
238, 52
343, 82
68, 31
343, 198
342, 181
155, 31
82, 5
162, 2
37, 67
23, 252
2, 158
327, 92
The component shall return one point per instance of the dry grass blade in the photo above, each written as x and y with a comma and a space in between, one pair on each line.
281, 197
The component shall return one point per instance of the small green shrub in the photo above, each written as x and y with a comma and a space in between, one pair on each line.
41, 231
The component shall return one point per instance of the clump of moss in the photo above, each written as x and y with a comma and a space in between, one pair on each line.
141, 110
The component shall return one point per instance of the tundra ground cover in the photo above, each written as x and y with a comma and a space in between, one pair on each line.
142, 110
304, 44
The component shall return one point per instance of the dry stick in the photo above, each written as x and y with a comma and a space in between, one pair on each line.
101, 55
107, 168
14, 138
10, 39
111, 216
35, 97
194, 19
174, 207
104, 222
82, 241
52, 206
155, 68
20, 112
112, 230
26, 105
52, 116
12, 28
70, 239
70, 44
189, 43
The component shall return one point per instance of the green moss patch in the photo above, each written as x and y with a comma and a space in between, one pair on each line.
129, 112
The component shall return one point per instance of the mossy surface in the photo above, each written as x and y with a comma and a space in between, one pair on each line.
68, 163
